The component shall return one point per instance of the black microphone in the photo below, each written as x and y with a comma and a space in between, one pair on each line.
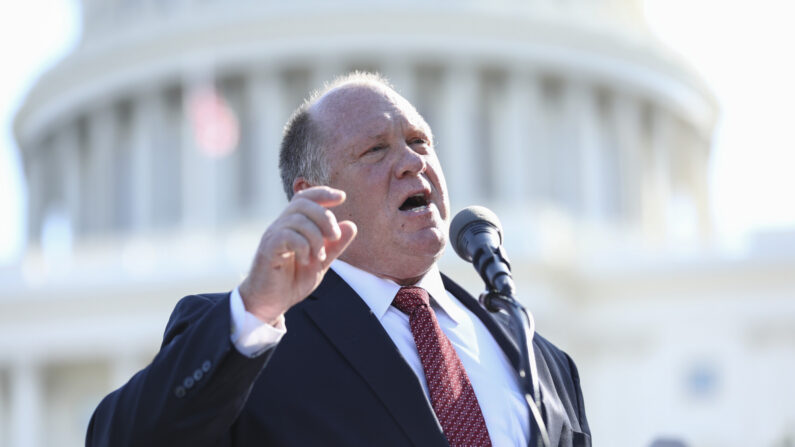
476, 235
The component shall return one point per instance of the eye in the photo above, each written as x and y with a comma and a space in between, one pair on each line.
377, 148
418, 141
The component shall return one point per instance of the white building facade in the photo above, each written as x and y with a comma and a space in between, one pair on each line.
150, 154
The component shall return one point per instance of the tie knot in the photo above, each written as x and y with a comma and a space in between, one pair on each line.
409, 298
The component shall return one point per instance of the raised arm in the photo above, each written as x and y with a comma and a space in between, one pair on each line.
198, 383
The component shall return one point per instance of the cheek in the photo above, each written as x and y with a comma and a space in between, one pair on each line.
357, 207
436, 176
341, 212
366, 188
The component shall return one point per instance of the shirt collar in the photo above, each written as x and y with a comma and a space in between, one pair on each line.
378, 293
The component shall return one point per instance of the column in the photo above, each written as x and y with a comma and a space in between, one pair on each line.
563, 147
456, 141
199, 175
49, 177
33, 172
658, 197
68, 148
229, 182
537, 149
628, 126
700, 168
324, 70
268, 109
101, 139
145, 110
584, 110
401, 75
26, 404
515, 138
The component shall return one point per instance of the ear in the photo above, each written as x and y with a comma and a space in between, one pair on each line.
300, 184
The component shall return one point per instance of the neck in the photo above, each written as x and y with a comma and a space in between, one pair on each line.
402, 280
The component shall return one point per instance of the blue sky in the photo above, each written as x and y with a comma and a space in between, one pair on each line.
743, 50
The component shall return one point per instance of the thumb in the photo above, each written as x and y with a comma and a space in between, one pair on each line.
335, 248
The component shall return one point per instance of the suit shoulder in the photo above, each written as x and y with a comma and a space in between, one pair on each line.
563, 362
550, 350
560, 364
565, 377
190, 308
198, 301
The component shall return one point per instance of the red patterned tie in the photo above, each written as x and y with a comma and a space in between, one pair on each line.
452, 397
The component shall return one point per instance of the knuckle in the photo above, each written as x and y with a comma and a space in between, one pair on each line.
298, 202
298, 219
308, 207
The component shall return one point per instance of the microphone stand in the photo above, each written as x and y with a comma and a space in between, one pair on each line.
491, 262
523, 326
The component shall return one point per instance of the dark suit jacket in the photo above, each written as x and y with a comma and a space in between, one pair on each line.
335, 379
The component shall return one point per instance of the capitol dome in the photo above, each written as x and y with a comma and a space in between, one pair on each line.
539, 108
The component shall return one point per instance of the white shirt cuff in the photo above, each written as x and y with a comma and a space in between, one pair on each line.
250, 335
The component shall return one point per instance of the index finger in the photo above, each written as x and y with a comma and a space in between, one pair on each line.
322, 195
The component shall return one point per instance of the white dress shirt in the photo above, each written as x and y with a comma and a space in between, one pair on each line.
493, 379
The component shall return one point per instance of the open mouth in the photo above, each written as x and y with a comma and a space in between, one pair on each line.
415, 202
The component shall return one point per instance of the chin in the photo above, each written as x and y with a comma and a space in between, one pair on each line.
411, 269
429, 242
417, 262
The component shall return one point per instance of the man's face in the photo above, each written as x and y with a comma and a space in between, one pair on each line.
379, 151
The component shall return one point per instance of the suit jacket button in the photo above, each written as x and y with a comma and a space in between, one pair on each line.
206, 366
197, 375
179, 392
188, 382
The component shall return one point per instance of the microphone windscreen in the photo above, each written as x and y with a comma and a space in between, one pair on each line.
466, 217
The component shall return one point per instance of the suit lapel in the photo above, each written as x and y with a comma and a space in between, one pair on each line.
498, 329
357, 334
553, 411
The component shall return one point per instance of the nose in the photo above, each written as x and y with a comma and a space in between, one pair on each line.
411, 163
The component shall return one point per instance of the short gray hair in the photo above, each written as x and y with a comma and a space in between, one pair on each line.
301, 153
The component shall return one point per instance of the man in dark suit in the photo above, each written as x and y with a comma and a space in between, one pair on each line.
344, 332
